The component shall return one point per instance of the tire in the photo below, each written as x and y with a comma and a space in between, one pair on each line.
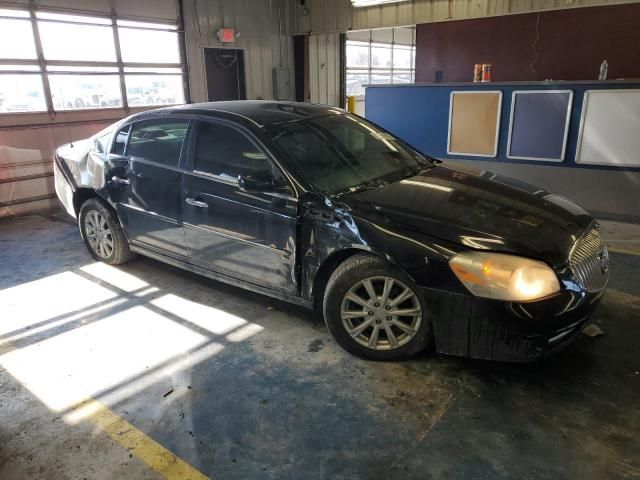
355, 276
91, 213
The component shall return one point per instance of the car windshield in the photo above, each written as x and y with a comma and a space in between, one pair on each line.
342, 153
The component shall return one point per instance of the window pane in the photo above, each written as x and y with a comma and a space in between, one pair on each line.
158, 140
73, 18
381, 56
357, 54
19, 68
355, 80
16, 39
149, 46
10, 12
121, 141
401, 57
154, 89
401, 77
152, 70
21, 93
221, 150
72, 68
161, 26
73, 92
380, 77
64, 41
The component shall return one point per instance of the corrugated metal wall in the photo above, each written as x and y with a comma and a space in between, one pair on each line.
258, 24
28, 141
324, 68
324, 16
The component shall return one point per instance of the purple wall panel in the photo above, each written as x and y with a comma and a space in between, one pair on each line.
539, 124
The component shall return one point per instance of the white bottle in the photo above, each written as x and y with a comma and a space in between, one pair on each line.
604, 68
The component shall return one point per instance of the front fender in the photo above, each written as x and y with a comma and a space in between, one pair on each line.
329, 235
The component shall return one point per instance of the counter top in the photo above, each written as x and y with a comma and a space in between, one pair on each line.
622, 81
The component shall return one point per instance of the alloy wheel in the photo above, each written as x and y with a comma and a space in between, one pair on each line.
381, 313
98, 234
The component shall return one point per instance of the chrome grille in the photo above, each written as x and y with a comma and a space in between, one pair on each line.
589, 261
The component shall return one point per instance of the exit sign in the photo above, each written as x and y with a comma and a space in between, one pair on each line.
227, 35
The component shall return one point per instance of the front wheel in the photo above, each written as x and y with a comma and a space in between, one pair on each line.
374, 310
102, 233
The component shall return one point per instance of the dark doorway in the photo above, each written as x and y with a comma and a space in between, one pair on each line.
224, 69
301, 67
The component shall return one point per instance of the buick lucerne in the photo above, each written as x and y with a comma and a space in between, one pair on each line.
316, 206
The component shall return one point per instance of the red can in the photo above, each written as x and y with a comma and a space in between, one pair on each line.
486, 72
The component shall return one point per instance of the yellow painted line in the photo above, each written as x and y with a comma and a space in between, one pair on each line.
158, 458
154, 455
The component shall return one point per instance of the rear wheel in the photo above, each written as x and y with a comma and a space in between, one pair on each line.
102, 233
374, 310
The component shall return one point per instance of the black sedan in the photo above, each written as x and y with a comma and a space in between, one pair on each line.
315, 206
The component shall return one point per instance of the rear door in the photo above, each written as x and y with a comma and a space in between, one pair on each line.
249, 236
146, 189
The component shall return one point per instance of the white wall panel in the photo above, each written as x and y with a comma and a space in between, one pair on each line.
160, 9
609, 126
258, 24
324, 68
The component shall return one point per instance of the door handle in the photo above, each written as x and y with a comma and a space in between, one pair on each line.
196, 203
120, 180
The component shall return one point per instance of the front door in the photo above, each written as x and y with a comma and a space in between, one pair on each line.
249, 236
147, 189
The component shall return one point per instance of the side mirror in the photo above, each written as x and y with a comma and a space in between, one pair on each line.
97, 146
256, 183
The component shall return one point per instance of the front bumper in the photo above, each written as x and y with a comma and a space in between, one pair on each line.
470, 326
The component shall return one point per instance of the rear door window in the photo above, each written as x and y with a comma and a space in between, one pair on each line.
158, 140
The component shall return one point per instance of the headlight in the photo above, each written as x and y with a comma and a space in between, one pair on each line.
504, 277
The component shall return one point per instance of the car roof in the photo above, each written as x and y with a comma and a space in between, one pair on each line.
258, 112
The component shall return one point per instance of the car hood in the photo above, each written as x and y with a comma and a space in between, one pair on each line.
478, 210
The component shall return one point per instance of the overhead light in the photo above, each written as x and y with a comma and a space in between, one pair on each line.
371, 3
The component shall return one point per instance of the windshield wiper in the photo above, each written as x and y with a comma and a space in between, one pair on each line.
406, 172
368, 185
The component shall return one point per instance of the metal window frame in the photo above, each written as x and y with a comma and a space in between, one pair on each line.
391, 69
44, 65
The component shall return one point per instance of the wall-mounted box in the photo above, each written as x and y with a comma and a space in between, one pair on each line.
281, 84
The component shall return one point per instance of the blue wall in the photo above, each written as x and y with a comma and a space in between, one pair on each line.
419, 114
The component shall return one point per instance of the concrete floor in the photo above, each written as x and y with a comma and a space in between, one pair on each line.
205, 377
